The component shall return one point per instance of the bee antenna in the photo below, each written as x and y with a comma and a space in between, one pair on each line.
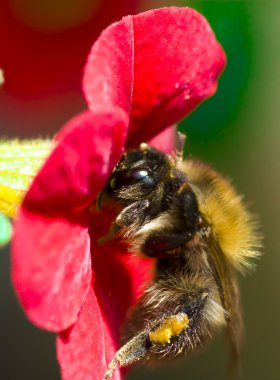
180, 142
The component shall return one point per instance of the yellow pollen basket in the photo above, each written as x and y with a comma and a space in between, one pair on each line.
171, 326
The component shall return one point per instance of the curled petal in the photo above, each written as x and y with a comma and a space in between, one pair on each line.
119, 282
159, 65
88, 148
51, 268
86, 349
176, 64
81, 350
108, 77
119, 277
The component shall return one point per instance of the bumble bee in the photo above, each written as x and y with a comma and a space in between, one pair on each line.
191, 220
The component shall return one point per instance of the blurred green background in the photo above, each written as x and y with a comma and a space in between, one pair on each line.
238, 132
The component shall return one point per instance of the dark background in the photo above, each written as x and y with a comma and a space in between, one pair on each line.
237, 131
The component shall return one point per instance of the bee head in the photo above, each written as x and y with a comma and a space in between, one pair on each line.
153, 199
137, 175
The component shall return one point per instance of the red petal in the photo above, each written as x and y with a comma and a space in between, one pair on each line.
169, 60
51, 268
176, 64
165, 140
89, 147
119, 277
85, 351
119, 280
51, 61
108, 74
81, 350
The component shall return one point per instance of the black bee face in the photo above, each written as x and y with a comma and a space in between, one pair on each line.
138, 174
158, 203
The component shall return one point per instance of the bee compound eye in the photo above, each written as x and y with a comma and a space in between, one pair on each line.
131, 177
140, 175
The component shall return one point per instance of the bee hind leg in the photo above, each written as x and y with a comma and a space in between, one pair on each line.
159, 335
134, 350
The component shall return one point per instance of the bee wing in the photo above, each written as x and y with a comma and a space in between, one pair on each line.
226, 280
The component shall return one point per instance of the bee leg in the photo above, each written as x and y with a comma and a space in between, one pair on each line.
134, 350
157, 335
128, 216
165, 242
131, 215
161, 244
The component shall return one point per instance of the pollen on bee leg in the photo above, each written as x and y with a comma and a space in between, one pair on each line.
172, 326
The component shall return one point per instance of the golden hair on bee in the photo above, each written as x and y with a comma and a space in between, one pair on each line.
234, 227
192, 221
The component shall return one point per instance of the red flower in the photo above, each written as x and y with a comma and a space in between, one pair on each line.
143, 74
50, 40
43, 48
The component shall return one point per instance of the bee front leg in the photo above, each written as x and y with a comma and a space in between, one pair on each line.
168, 235
131, 215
